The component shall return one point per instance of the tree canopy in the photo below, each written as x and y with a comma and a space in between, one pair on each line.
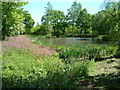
14, 19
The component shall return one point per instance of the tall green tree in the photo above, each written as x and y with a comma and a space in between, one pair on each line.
28, 21
115, 29
107, 21
100, 24
53, 17
12, 19
83, 21
73, 13
48, 7
46, 25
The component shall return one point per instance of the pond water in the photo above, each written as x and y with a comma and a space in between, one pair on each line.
64, 41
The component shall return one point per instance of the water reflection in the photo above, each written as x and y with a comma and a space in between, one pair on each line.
64, 41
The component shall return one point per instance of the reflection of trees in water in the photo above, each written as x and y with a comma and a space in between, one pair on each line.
70, 41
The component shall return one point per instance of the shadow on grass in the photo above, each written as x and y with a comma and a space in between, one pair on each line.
102, 59
59, 81
106, 81
117, 67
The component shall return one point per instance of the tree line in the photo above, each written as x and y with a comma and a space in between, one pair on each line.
78, 21
56, 23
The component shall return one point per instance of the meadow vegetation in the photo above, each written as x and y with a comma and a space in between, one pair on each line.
55, 67
28, 63
25, 68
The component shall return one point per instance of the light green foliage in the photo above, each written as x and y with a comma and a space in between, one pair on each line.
46, 29
12, 19
20, 68
46, 24
35, 29
69, 30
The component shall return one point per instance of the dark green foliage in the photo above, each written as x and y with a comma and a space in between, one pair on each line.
117, 54
106, 22
105, 38
12, 19
28, 21
83, 22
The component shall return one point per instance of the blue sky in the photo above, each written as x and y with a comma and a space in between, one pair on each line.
37, 10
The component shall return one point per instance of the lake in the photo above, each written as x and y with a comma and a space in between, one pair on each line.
64, 41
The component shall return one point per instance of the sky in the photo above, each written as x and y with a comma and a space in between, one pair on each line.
37, 7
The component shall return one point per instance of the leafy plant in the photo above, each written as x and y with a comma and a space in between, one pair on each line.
86, 52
